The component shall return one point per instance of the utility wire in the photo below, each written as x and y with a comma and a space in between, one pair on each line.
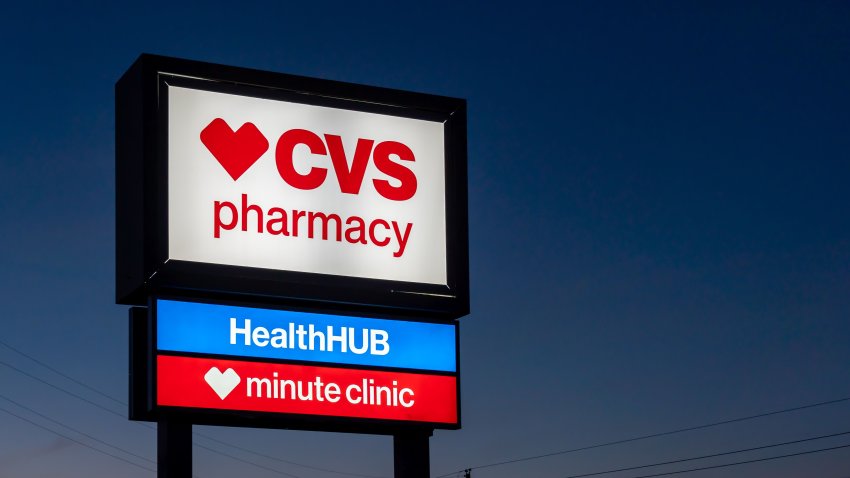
75, 430
656, 435
56, 387
77, 441
233, 457
269, 457
714, 455
757, 460
146, 425
57, 372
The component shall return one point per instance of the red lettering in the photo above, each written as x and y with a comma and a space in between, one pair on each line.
372, 227
350, 178
246, 208
387, 157
381, 156
359, 228
296, 215
218, 225
283, 155
277, 225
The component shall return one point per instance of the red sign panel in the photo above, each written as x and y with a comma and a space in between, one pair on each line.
296, 389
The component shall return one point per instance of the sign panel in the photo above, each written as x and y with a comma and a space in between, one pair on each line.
274, 184
284, 335
245, 185
305, 390
278, 368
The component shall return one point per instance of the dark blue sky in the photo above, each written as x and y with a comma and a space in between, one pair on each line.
659, 227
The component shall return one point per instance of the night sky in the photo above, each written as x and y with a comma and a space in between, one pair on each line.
659, 228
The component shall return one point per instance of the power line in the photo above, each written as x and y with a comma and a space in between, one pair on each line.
269, 457
77, 441
90, 437
57, 372
56, 387
233, 457
714, 455
208, 437
757, 460
656, 435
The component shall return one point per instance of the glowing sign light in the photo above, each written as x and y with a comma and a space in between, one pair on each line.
271, 188
283, 335
346, 202
280, 185
304, 390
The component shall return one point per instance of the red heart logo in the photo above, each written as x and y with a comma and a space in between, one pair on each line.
235, 151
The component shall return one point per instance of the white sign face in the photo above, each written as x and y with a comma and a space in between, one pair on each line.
277, 185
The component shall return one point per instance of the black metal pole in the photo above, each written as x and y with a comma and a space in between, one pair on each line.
412, 457
174, 449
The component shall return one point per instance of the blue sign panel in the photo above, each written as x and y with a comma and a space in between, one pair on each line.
278, 334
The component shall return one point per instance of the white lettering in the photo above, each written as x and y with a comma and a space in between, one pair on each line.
374, 341
314, 334
401, 397
278, 338
332, 392
244, 331
365, 392
352, 344
353, 400
260, 336
337, 338
382, 342
258, 382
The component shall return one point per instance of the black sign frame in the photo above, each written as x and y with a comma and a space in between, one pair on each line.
143, 266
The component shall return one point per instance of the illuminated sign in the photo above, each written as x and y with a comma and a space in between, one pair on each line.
305, 390
284, 335
297, 247
306, 188
237, 365
247, 184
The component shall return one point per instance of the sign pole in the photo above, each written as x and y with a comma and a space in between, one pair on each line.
174, 449
411, 454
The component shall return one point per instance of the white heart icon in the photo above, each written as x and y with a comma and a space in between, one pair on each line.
222, 383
